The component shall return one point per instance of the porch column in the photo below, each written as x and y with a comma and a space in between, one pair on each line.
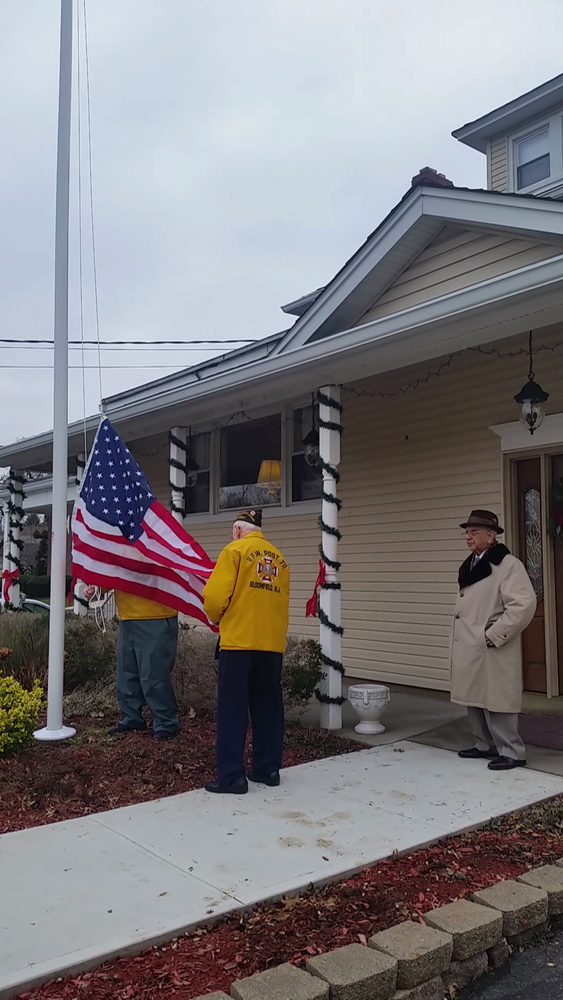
177, 462
5, 548
330, 688
80, 466
15, 544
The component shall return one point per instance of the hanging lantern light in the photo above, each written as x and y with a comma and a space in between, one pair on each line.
192, 468
532, 397
311, 440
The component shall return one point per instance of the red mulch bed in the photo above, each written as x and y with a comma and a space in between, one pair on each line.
92, 772
293, 929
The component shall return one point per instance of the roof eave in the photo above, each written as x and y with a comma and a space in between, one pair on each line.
509, 117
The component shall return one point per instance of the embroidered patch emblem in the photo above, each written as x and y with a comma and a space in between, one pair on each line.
267, 570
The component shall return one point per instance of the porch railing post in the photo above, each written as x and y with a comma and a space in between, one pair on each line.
15, 545
330, 429
177, 462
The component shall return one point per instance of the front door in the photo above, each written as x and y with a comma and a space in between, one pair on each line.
529, 487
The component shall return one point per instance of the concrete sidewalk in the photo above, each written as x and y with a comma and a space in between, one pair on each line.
76, 893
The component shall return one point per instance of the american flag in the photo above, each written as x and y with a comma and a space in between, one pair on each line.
123, 538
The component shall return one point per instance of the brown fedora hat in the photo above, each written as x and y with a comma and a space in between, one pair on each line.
483, 519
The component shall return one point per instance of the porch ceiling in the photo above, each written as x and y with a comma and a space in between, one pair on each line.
493, 310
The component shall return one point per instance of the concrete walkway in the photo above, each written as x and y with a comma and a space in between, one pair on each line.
76, 893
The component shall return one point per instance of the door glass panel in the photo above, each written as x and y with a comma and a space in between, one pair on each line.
532, 538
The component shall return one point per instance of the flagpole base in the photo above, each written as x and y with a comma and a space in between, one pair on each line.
48, 735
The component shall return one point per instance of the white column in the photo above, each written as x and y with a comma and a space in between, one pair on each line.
330, 638
6, 565
178, 475
80, 466
14, 531
77, 606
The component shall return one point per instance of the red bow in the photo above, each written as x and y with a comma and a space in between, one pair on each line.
313, 602
9, 577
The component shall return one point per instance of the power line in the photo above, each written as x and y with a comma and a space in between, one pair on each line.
135, 343
92, 368
118, 350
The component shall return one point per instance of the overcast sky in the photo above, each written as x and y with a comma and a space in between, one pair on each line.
242, 150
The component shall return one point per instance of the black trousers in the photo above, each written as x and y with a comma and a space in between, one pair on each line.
249, 681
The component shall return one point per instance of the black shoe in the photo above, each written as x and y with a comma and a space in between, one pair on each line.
122, 728
237, 787
165, 734
272, 779
474, 754
506, 764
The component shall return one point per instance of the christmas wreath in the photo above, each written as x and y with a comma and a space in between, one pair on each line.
555, 525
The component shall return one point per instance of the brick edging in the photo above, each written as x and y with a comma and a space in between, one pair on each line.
455, 945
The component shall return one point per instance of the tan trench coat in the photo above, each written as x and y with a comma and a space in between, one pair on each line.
498, 607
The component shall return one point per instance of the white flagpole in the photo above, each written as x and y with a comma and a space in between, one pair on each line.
55, 729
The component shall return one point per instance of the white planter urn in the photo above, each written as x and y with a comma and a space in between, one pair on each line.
370, 702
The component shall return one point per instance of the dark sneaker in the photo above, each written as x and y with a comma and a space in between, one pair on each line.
165, 734
506, 764
237, 787
122, 728
272, 779
474, 754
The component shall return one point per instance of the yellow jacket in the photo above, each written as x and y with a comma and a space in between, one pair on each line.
248, 595
132, 608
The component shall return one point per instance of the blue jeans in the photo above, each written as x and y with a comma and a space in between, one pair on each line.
146, 651
249, 681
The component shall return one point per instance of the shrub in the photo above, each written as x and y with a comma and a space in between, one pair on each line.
19, 710
39, 587
27, 637
195, 674
302, 670
90, 655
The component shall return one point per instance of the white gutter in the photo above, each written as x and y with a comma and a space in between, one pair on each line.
541, 278
496, 291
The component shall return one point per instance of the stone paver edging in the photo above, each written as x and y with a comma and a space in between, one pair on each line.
455, 945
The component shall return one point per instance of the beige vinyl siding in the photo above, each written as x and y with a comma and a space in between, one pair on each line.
456, 259
297, 537
498, 164
413, 467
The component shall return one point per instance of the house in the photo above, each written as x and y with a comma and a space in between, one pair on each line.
424, 337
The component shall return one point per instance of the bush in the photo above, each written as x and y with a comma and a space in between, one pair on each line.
39, 587
90, 655
27, 637
195, 674
302, 670
19, 710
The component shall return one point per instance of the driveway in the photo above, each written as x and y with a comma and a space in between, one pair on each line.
536, 973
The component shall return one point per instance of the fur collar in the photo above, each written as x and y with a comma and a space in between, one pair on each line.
482, 569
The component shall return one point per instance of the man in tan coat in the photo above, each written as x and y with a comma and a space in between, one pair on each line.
495, 604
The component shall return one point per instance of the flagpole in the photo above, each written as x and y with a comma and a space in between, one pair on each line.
55, 729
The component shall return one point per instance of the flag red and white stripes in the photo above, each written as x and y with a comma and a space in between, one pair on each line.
123, 538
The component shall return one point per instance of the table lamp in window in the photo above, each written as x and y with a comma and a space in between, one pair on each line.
270, 471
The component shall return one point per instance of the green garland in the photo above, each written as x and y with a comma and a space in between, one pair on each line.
327, 661
15, 514
555, 521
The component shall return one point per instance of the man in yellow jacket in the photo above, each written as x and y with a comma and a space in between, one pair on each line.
247, 595
146, 652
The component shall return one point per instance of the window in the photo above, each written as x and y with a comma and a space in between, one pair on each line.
533, 159
306, 481
250, 464
533, 540
197, 495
